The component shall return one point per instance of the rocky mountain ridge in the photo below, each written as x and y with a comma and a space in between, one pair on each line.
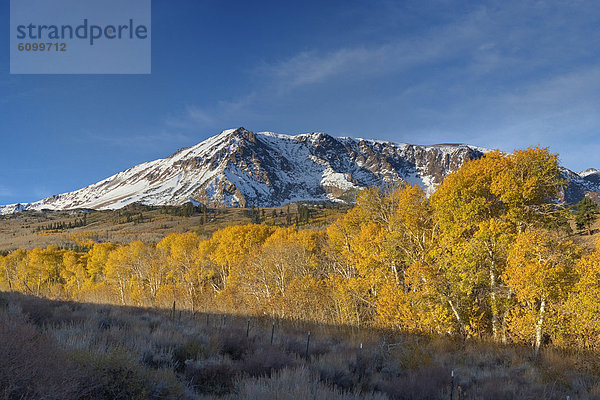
240, 168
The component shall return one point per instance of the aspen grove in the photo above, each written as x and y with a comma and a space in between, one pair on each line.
487, 255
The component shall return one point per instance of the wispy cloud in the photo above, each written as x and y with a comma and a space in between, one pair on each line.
278, 79
222, 113
501, 76
40, 192
368, 61
190, 118
139, 140
5, 191
469, 38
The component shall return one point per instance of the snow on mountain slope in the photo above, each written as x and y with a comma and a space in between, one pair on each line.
587, 172
579, 185
239, 168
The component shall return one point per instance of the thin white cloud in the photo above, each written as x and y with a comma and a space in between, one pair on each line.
273, 81
489, 42
312, 67
190, 118
140, 140
5, 192
364, 62
197, 114
223, 113
41, 192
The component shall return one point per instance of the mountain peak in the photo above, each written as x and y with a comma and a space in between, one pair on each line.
589, 171
234, 132
238, 133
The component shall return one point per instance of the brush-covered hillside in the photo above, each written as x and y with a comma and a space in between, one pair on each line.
66, 350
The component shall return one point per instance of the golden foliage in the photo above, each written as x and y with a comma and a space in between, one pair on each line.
475, 259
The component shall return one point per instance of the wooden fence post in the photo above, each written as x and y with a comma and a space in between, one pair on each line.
452, 385
272, 332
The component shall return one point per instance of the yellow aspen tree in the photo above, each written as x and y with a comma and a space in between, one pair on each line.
287, 254
347, 309
468, 214
11, 266
97, 257
182, 253
396, 309
396, 232
340, 235
144, 260
411, 231
479, 209
232, 248
307, 299
44, 265
118, 273
5, 277
489, 248
375, 242
583, 307
20, 262
540, 272
154, 276
73, 272
35, 271
430, 301
127, 271
528, 184
352, 278
209, 271
341, 269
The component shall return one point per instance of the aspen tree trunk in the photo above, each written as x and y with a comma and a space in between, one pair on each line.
538, 326
494, 305
457, 315
121, 289
8, 277
504, 337
395, 272
122, 293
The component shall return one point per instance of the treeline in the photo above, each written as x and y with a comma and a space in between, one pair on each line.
186, 210
61, 225
487, 255
303, 215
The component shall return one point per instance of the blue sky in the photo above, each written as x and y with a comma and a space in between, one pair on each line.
498, 74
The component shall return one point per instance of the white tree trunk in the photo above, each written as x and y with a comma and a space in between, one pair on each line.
539, 326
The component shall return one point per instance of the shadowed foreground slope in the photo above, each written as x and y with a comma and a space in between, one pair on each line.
65, 350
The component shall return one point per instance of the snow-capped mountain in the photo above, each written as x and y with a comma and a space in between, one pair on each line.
239, 168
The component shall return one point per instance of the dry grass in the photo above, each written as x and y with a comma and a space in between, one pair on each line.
67, 350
